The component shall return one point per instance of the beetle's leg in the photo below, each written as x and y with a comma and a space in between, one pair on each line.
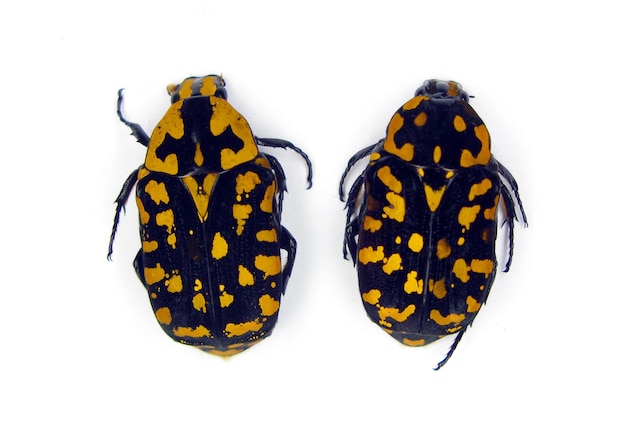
278, 143
288, 243
509, 220
508, 192
280, 178
451, 351
506, 174
121, 202
353, 160
352, 220
136, 130
349, 240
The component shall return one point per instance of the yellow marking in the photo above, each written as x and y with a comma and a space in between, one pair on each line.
438, 288
484, 155
482, 266
198, 157
369, 255
420, 119
472, 304
267, 205
209, 86
225, 298
153, 275
467, 215
267, 235
437, 154
443, 249
174, 284
184, 90
166, 219
460, 241
245, 277
416, 242
220, 246
406, 151
433, 197
149, 246
414, 102
394, 263
479, 189
143, 172
197, 285
461, 270
247, 182
453, 88
157, 192
449, 174
397, 208
198, 332
389, 180
232, 329
269, 265
372, 296
144, 216
490, 213
268, 305
199, 195
443, 320
171, 240
224, 115
171, 124
372, 225
413, 342
199, 302
225, 354
261, 161
395, 314
241, 212
163, 315
420, 171
398, 240
412, 285
384, 323
454, 329
459, 123
374, 156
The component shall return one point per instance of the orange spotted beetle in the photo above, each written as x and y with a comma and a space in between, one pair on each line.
422, 218
210, 221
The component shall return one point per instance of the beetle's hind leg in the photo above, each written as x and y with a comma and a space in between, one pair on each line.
451, 351
287, 243
121, 202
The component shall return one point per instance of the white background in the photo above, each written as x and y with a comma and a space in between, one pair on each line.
82, 350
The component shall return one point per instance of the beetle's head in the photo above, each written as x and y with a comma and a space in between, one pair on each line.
210, 85
439, 89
